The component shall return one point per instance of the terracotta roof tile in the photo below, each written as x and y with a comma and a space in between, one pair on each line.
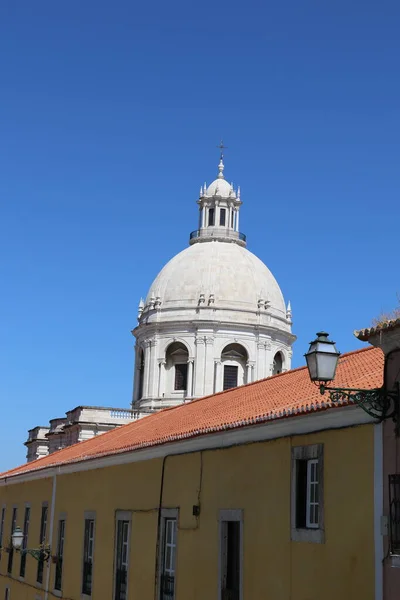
365, 334
280, 396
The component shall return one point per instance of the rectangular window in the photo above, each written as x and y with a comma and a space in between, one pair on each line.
230, 376
180, 376
307, 498
42, 540
60, 554
122, 556
11, 549
211, 217
3, 516
222, 216
168, 554
231, 535
232, 219
394, 512
24, 541
7, 594
88, 548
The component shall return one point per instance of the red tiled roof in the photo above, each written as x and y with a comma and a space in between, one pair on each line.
280, 396
365, 334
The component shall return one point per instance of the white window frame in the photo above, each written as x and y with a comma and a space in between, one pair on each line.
25, 538
224, 516
88, 516
122, 515
312, 485
313, 532
167, 514
61, 517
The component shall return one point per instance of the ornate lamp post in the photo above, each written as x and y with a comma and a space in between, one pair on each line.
322, 359
41, 553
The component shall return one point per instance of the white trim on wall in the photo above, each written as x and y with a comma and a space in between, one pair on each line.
378, 509
335, 418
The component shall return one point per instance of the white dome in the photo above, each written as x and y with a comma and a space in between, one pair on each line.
233, 275
219, 187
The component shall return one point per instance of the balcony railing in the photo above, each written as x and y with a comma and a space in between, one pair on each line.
217, 233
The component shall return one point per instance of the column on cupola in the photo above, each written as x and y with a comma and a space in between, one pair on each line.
237, 220
208, 367
153, 375
190, 378
200, 367
161, 377
218, 376
146, 374
261, 373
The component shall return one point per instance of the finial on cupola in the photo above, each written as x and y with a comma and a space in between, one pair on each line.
289, 311
201, 191
140, 308
238, 192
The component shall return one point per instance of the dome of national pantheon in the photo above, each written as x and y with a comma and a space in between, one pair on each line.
234, 276
214, 316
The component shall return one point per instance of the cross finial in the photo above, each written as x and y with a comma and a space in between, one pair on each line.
221, 160
222, 148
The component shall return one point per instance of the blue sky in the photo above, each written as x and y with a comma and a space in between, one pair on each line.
110, 114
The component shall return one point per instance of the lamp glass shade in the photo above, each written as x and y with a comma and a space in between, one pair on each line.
322, 359
17, 538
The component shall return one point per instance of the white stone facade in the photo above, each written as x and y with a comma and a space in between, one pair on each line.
80, 424
214, 317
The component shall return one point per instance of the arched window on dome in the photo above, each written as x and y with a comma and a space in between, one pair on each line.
176, 363
277, 365
233, 358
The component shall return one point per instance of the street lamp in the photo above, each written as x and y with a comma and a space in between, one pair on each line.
322, 359
17, 538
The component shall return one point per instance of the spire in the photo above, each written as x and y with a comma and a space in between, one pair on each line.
221, 165
289, 311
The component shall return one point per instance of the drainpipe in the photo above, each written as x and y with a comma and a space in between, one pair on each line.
50, 538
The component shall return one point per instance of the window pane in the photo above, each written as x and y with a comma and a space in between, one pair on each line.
211, 217
230, 376
180, 376
222, 216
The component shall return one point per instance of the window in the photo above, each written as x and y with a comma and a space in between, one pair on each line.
211, 217
3, 516
60, 554
7, 594
230, 376
42, 540
394, 513
88, 547
122, 555
180, 376
307, 493
231, 534
168, 554
232, 219
278, 364
25, 541
11, 549
222, 217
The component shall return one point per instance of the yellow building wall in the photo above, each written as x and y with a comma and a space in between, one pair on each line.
255, 478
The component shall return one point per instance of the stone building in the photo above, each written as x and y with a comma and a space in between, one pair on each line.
214, 317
